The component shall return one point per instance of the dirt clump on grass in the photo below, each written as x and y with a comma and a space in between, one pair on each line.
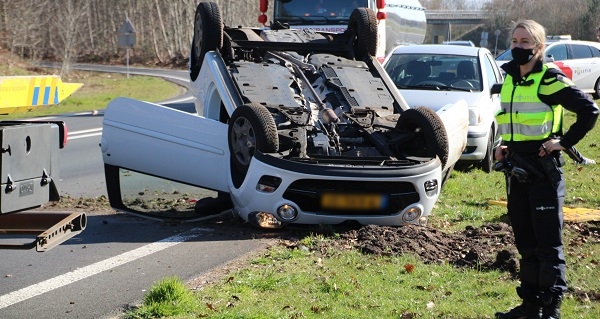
487, 247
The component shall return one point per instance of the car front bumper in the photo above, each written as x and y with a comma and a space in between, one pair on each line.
409, 192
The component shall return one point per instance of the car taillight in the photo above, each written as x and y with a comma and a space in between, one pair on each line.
64, 136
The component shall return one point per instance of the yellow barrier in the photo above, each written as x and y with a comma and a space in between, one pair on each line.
27, 93
577, 214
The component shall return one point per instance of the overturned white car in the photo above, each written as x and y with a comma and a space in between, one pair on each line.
297, 126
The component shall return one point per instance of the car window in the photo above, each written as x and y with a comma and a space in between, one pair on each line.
493, 76
505, 56
581, 51
558, 52
595, 51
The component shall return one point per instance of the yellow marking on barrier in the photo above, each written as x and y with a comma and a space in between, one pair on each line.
27, 93
573, 214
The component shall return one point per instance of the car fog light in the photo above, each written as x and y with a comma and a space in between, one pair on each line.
264, 220
411, 214
268, 184
431, 187
287, 212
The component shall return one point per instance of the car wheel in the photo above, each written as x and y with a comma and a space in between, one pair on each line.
430, 138
208, 35
363, 22
251, 128
487, 164
596, 94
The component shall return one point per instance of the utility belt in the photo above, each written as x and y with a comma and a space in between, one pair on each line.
529, 167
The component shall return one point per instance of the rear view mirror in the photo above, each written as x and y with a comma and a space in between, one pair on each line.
496, 88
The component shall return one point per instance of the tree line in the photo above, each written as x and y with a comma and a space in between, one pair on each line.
86, 30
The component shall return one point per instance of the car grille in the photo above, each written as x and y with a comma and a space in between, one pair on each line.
305, 193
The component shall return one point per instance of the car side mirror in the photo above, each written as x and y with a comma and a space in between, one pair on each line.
496, 88
549, 58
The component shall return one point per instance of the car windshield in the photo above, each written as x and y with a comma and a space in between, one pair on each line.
315, 11
438, 71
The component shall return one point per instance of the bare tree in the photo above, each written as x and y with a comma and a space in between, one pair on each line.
67, 38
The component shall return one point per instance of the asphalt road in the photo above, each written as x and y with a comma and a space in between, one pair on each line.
118, 257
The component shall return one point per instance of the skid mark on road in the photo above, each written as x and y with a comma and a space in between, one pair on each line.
93, 269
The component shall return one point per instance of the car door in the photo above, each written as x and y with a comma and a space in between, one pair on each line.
584, 66
159, 141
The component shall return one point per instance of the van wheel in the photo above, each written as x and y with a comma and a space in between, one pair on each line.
251, 128
208, 35
429, 138
363, 23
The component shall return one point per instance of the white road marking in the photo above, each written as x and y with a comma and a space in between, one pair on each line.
84, 133
93, 269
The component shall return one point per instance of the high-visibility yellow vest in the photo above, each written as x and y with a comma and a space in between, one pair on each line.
523, 116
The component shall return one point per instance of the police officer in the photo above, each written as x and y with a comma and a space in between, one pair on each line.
530, 123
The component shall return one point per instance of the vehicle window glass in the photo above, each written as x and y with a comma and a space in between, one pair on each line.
493, 75
309, 9
581, 51
595, 51
558, 52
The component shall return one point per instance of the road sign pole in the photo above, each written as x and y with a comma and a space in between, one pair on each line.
128, 62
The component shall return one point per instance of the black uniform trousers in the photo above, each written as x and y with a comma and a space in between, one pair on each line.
535, 209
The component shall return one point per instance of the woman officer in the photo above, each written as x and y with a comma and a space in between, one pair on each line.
530, 123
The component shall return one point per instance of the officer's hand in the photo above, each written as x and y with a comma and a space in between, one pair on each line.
500, 152
550, 146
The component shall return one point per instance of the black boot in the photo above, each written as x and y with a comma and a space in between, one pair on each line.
529, 309
526, 310
551, 306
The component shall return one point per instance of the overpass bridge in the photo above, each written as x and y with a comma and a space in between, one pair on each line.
442, 21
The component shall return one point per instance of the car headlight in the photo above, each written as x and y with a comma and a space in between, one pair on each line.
263, 220
287, 212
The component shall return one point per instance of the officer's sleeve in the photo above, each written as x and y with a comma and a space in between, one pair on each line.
557, 88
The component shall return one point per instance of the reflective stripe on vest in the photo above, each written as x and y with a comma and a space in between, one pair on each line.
523, 116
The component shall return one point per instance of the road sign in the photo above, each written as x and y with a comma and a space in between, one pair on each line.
126, 35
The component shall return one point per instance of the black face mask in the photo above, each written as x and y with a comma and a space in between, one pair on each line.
522, 56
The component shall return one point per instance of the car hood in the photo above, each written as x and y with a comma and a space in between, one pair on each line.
437, 99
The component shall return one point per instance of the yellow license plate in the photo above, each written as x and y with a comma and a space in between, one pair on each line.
339, 201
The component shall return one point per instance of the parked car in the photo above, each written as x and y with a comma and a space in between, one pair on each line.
579, 60
434, 75
295, 126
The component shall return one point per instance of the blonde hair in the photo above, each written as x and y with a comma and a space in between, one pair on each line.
537, 31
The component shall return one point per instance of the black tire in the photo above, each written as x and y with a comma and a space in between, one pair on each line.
363, 23
251, 128
487, 164
430, 138
208, 35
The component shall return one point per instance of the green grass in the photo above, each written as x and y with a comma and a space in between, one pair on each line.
293, 283
168, 297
